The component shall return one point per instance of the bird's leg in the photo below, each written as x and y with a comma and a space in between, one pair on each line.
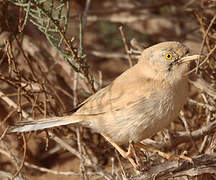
135, 152
162, 154
127, 155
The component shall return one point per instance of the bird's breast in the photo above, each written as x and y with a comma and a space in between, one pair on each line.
158, 111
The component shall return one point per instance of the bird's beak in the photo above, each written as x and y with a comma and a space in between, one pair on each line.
189, 58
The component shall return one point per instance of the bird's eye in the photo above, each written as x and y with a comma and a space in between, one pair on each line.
169, 56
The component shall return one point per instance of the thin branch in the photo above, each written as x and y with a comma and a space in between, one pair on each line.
183, 137
182, 117
13, 159
204, 86
23, 159
204, 61
203, 164
204, 40
126, 46
42, 169
87, 5
8, 175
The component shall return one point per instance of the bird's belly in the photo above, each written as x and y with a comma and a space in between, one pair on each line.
151, 127
159, 115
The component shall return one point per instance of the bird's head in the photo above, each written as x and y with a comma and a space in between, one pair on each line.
171, 58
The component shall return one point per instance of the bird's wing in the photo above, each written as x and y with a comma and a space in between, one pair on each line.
119, 94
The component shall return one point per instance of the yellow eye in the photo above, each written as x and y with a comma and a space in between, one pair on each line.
169, 56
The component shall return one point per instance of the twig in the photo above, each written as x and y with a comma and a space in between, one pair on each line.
136, 45
182, 137
200, 83
42, 169
66, 146
125, 45
120, 18
209, 107
82, 166
76, 76
4, 133
188, 130
23, 159
113, 165
204, 164
28, 61
121, 165
88, 2
208, 114
203, 41
207, 57
202, 146
75, 84
8, 175
75, 102
204, 130
109, 55
100, 80
76, 153
13, 158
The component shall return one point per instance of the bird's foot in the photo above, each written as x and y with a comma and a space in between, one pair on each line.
167, 156
127, 155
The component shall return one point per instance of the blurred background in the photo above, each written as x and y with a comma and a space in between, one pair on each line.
54, 54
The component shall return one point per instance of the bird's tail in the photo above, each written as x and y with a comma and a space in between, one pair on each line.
34, 125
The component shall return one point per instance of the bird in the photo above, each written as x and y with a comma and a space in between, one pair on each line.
136, 105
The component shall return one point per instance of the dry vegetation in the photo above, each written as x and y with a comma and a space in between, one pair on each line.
38, 79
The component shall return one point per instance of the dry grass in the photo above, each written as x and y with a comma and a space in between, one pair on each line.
36, 82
